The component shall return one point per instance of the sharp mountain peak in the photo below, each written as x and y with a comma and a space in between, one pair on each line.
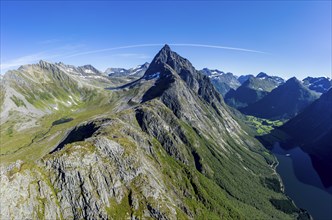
166, 58
261, 75
293, 81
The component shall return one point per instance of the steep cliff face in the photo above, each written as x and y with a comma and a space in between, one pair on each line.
168, 149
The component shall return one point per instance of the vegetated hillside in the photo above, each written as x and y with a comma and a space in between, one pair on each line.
252, 90
312, 130
318, 84
163, 147
36, 90
284, 102
223, 82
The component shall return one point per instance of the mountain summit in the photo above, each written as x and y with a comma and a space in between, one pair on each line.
169, 67
169, 62
163, 147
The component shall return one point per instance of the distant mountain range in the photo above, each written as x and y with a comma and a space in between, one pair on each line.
266, 96
284, 102
318, 84
252, 90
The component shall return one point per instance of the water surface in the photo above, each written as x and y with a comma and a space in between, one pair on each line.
302, 182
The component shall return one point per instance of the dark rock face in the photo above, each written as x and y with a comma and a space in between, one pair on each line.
179, 65
163, 82
154, 125
168, 65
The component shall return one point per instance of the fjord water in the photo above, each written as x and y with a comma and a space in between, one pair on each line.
302, 182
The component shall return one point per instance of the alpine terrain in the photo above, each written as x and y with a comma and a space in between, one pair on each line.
165, 146
223, 82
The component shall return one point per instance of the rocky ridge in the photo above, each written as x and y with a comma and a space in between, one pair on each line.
169, 149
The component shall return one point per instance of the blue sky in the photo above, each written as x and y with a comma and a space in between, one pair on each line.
277, 37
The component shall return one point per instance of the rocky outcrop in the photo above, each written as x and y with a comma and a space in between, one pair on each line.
88, 180
175, 152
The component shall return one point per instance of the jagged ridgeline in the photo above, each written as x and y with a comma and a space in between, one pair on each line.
164, 147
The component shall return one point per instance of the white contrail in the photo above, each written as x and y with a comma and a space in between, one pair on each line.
43, 55
114, 48
218, 47
159, 45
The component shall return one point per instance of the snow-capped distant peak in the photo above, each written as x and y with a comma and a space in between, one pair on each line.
88, 71
212, 73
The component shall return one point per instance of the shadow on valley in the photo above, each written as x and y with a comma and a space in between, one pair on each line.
61, 121
77, 134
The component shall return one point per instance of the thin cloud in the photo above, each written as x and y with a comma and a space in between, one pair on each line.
219, 47
160, 45
113, 48
68, 51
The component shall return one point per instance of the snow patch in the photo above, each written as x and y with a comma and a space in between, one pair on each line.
88, 71
152, 76
133, 73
